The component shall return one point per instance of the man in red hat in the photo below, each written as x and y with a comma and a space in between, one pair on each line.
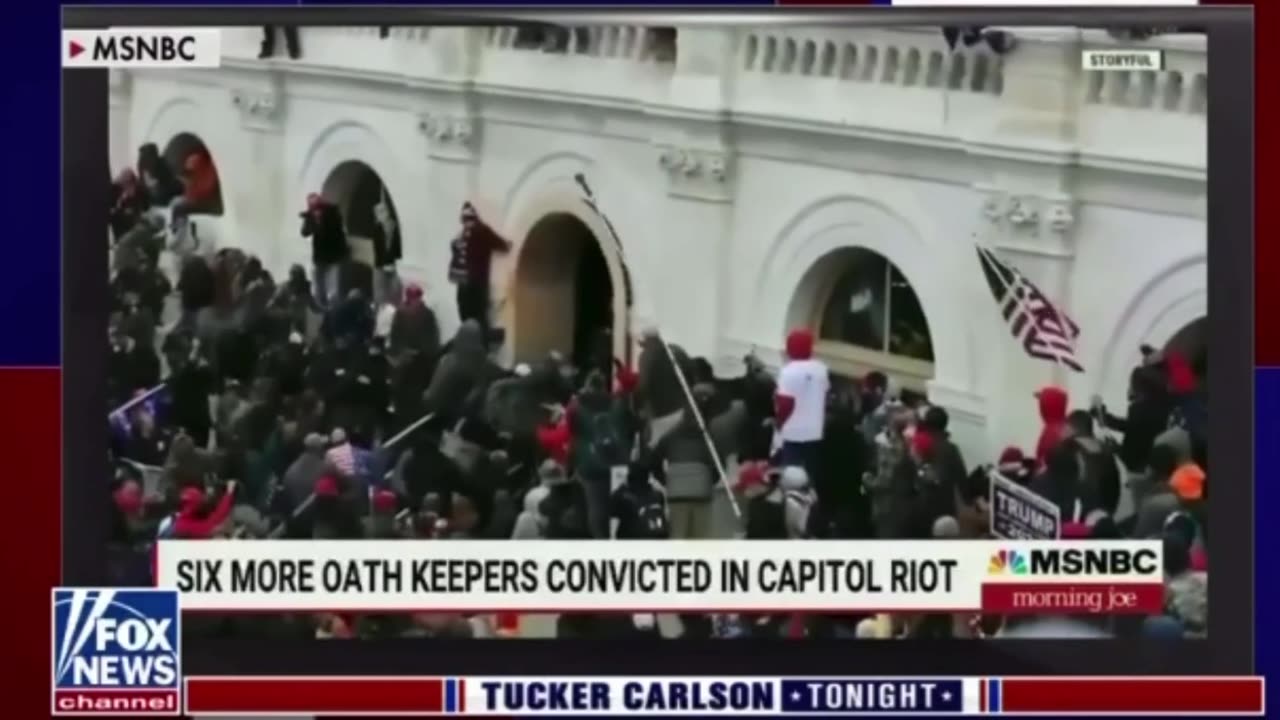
322, 222
800, 404
414, 327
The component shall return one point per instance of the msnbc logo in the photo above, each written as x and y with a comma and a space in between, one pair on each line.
1007, 561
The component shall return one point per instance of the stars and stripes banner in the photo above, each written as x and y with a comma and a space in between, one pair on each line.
1045, 331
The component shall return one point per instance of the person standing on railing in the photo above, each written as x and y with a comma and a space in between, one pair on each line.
290, 41
472, 254
322, 222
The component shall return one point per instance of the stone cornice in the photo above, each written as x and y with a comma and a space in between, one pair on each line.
1051, 154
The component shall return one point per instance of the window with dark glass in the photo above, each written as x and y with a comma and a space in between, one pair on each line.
873, 306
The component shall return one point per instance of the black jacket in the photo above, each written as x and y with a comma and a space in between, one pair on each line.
328, 237
1146, 419
195, 284
386, 246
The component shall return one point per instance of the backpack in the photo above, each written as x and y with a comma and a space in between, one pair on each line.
650, 521
606, 441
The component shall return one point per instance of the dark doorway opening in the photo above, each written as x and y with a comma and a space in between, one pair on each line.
563, 298
593, 310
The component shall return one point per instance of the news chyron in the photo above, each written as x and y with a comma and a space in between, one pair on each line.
116, 652
142, 48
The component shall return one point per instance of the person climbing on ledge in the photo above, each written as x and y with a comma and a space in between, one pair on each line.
290, 41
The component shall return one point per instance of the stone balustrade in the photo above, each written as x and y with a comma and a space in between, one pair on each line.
885, 81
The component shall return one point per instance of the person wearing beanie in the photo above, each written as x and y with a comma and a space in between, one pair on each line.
1100, 472
1052, 402
639, 508
471, 256
381, 521
414, 328
801, 402
1012, 464
300, 479
193, 522
332, 517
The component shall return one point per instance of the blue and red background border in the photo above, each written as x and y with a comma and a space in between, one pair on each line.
30, 341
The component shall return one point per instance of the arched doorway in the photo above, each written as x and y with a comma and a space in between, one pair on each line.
868, 317
1192, 342
176, 153
563, 293
357, 190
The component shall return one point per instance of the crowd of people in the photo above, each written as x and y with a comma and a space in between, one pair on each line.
328, 405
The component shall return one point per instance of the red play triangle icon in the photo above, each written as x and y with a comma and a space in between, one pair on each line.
76, 48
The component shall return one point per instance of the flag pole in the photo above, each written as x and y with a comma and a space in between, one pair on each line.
702, 427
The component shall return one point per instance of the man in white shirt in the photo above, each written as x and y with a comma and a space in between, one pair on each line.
801, 402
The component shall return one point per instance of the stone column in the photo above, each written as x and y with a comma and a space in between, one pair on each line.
1033, 232
451, 133
256, 194
696, 156
120, 99
1028, 212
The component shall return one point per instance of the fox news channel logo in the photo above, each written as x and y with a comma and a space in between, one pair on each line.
116, 652
142, 48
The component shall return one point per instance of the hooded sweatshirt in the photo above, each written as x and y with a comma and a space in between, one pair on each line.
202, 180
189, 525
414, 326
658, 389
530, 522
458, 372
801, 400
1053, 413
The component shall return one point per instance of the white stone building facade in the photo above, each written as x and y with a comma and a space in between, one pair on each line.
743, 176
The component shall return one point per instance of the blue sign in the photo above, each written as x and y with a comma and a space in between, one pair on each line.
1020, 514
116, 651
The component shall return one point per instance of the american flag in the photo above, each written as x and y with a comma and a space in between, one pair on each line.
1044, 330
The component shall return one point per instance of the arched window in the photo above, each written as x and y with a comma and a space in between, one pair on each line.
869, 318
